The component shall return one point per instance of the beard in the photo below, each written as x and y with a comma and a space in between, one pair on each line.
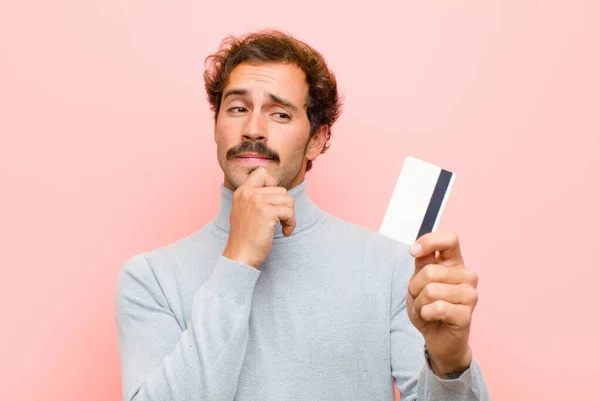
285, 174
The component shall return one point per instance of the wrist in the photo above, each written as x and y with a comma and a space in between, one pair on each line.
449, 369
239, 257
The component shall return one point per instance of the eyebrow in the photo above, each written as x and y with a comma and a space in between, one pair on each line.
231, 92
273, 97
283, 102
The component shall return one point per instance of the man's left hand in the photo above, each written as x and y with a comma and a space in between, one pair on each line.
442, 295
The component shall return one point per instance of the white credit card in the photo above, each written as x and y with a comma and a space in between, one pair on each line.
417, 202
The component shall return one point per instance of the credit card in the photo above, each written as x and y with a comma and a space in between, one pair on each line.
417, 201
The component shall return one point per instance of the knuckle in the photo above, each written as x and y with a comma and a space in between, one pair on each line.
411, 288
429, 271
256, 199
245, 193
468, 294
431, 291
453, 237
239, 195
472, 278
474, 296
439, 307
264, 208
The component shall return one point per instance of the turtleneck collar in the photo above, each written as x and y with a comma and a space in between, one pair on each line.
306, 212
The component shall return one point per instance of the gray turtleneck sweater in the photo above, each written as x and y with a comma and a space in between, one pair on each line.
322, 319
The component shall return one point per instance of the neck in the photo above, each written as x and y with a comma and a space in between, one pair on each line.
305, 211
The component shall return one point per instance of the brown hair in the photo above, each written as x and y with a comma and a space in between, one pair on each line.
271, 46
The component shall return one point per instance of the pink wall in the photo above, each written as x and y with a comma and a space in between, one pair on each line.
106, 150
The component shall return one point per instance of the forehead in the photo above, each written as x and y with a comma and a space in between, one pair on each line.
285, 80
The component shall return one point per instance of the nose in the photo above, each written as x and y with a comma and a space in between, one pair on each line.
254, 128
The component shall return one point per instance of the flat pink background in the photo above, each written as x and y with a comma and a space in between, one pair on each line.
106, 150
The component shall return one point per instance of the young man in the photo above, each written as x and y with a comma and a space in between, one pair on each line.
277, 299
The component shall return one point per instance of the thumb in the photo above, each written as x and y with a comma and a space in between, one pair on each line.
423, 261
260, 178
427, 258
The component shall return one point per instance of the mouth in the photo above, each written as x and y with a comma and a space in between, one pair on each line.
253, 158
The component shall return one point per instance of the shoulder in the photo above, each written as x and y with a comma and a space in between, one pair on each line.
154, 268
377, 247
382, 258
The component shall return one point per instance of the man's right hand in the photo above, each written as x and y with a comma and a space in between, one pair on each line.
258, 205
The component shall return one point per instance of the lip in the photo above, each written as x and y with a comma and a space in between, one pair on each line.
253, 158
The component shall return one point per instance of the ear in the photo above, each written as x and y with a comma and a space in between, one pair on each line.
317, 142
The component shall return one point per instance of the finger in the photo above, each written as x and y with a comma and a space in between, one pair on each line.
462, 294
287, 219
414, 316
453, 314
440, 274
259, 195
270, 191
278, 200
445, 242
420, 263
260, 178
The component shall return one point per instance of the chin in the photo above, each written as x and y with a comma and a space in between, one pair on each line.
237, 176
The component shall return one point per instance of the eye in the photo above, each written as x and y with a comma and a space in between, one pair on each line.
282, 116
237, 110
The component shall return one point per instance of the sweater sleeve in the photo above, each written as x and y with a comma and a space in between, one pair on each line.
161, 360
413, 376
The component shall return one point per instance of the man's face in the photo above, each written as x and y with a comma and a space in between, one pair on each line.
262, 121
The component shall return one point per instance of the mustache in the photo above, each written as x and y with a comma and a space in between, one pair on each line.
252, 147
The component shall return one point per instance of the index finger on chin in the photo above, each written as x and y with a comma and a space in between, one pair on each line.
260, 178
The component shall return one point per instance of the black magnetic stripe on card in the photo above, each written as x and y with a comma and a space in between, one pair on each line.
435, 203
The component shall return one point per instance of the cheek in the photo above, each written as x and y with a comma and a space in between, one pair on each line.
292, 152
224, 134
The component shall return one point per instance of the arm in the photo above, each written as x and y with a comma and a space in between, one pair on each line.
413, 375
162, 361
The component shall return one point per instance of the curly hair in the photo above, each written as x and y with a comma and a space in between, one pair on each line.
272, 46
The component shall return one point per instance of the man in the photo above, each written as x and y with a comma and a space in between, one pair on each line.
277, 299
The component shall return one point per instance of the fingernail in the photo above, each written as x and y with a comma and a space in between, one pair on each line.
415, 249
